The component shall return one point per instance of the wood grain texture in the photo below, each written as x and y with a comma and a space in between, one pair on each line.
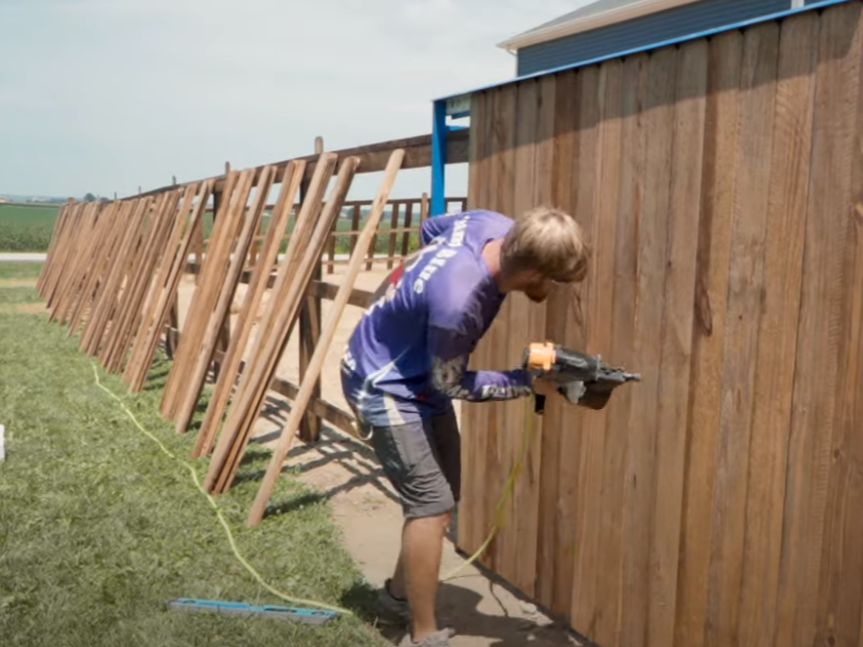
676, 345
257, 287
548, 539
219, 315
515, 546
775, 360
840, 587
819, 336
745, 293
470, 513
658, 122
708, 348
147, 339
307, 387
611, 488
597, 209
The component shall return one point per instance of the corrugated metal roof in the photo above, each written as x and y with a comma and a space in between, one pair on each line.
620, 36
592, 9
810, 6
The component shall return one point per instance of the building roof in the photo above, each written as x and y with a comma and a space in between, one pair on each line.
597, 14
595, 7
815, 5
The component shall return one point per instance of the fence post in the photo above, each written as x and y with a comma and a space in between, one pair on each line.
310, 331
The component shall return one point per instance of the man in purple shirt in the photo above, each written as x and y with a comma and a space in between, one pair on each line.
407, 360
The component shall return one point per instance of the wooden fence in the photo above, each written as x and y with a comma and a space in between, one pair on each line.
720, 500
113, 271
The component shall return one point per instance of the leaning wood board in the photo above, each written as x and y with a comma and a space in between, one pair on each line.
300, 404
194, 340
283, 321
286, 295
219, 316
261, 273
173, 265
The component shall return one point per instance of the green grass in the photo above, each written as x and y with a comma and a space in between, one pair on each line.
26, 228
99, 528
20, 270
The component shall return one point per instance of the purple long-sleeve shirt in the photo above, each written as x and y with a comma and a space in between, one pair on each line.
408, 356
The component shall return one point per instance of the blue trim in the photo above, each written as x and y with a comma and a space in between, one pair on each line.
673, 41
438, 160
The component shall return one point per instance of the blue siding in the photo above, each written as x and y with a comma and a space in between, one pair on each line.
641, 32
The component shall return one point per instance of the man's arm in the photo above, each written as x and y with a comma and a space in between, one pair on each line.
450, 352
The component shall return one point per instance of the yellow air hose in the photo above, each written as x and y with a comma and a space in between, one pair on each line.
507, 492
497, 525
222, 520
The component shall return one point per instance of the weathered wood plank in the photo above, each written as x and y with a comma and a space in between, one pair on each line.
819, 338
658, 122
598, 214
774, 376
257, 287
714, 241
514, 541
563, 155
620, 349
574, 455
491, 419
219, 316
676, 345
840, 589
173, 265
471, 516
745, 292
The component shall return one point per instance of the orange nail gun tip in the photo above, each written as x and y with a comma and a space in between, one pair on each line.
541, 355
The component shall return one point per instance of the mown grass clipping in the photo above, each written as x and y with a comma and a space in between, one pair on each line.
99, 529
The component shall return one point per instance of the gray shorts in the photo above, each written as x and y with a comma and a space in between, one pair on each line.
423, 462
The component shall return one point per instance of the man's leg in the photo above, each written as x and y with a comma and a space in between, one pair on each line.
422, 539
422, 545
409, 456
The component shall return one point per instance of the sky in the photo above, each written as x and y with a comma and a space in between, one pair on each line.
104, 96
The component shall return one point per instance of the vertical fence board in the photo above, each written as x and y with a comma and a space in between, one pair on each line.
712, 264
840, 588
658, 121
601, 202
745, 292
820, 329
783, 266
548, 540
471, 516
572, 452
676, 344
501, 197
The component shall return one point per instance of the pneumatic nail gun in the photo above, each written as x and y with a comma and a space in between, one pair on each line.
582, 379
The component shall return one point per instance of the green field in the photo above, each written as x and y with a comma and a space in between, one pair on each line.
25, 228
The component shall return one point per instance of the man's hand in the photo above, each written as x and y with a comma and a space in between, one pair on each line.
543, 386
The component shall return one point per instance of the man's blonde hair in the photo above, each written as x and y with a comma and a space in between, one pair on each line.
550, 241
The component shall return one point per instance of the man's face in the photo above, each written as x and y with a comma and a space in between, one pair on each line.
537, 287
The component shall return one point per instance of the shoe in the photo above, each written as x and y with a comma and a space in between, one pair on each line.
390, 607
437, 639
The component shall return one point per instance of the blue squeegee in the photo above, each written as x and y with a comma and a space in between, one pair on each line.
295, 614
